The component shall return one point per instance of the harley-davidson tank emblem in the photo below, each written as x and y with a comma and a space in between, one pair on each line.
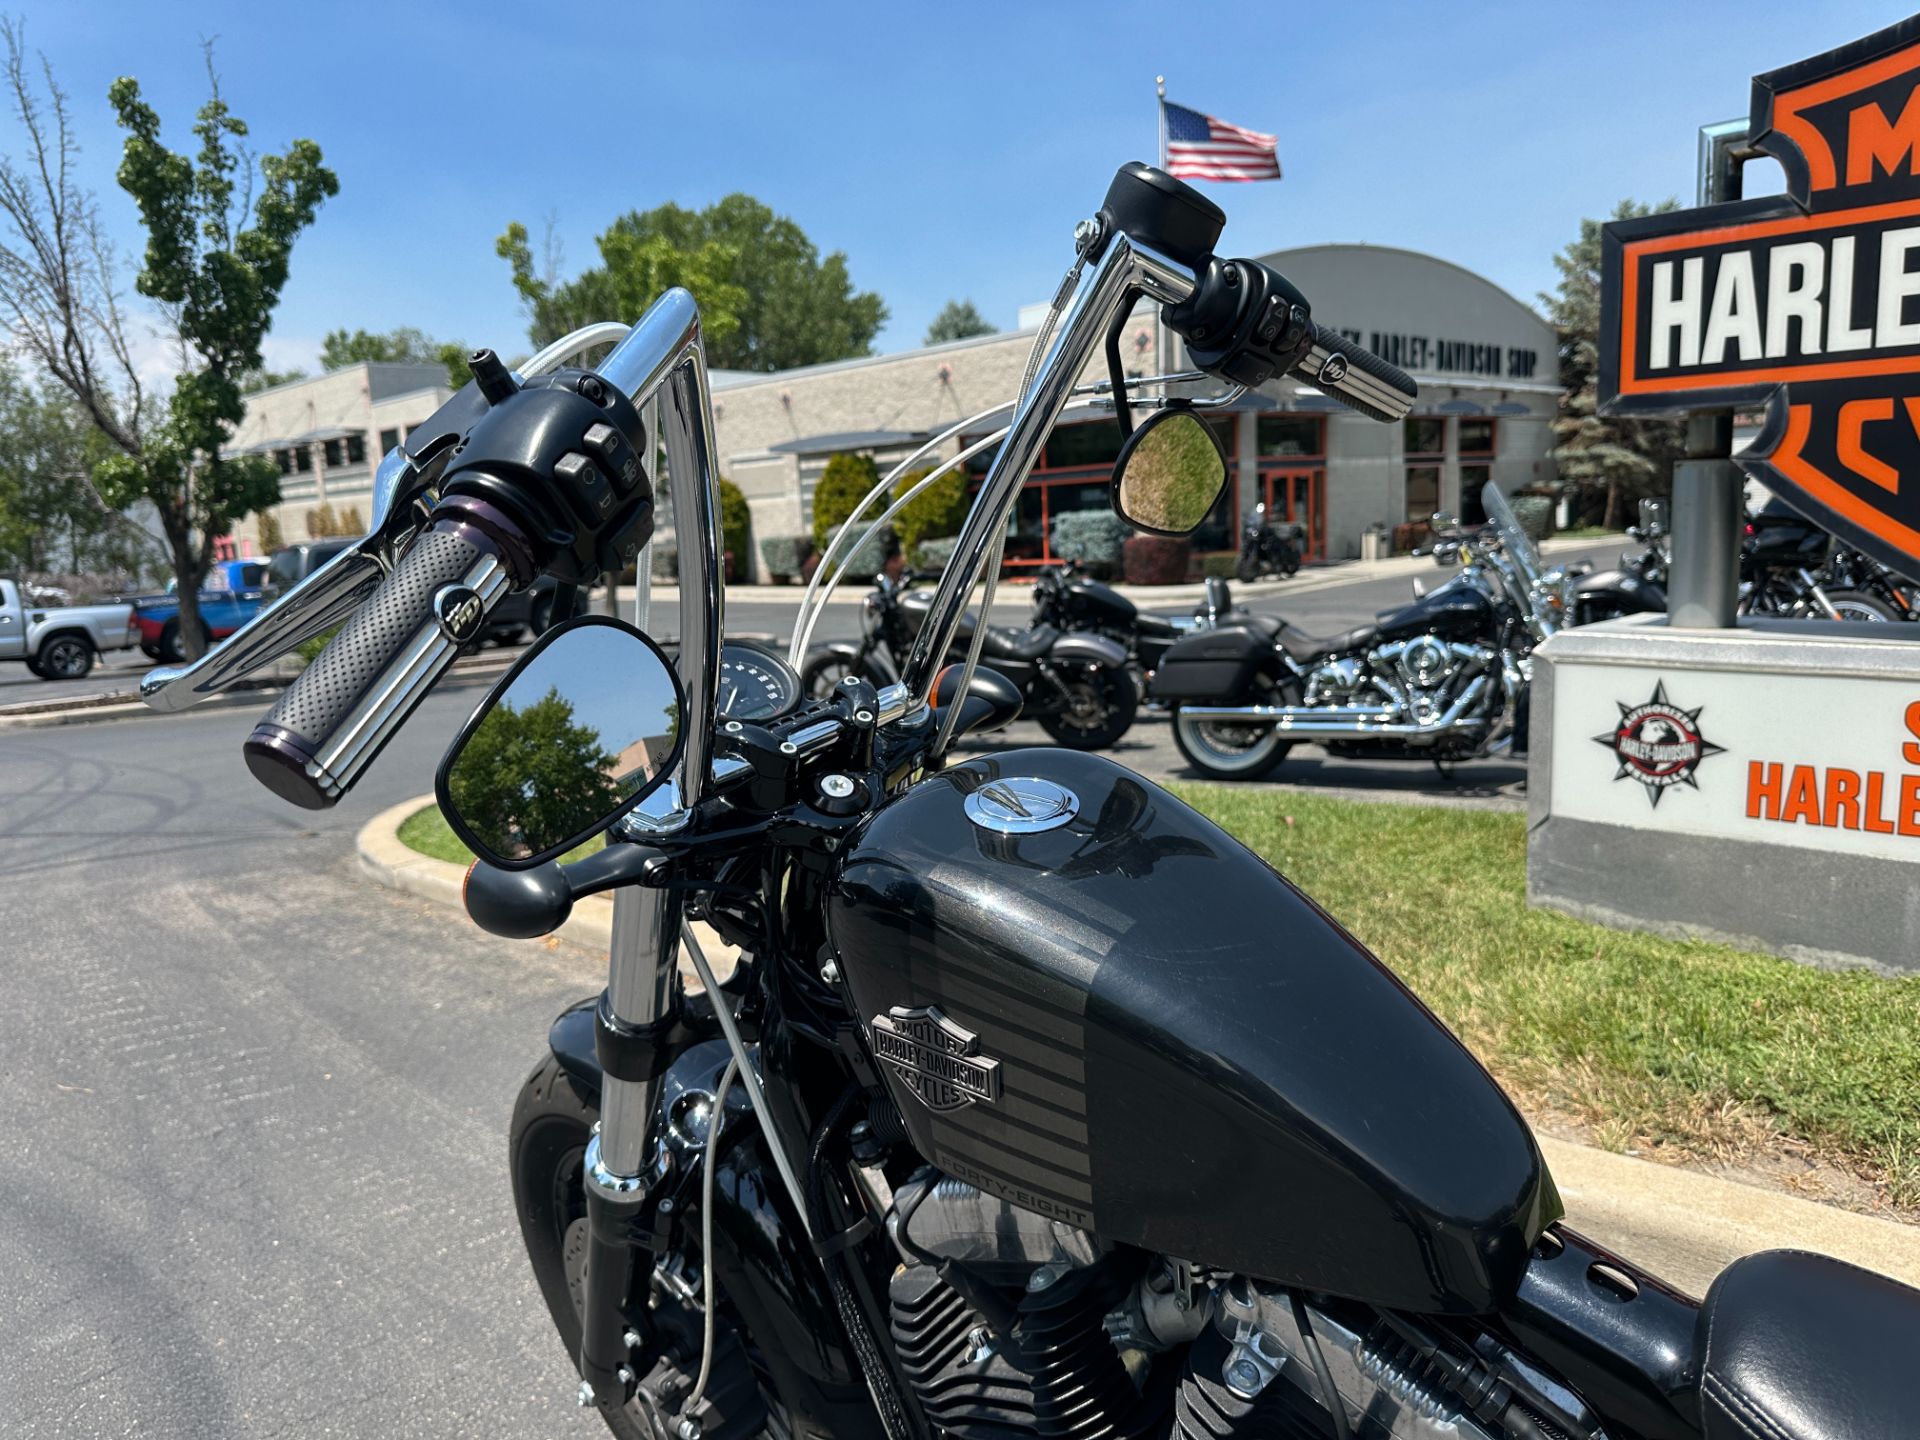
940, 1061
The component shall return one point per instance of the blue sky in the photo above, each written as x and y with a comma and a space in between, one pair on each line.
947, 149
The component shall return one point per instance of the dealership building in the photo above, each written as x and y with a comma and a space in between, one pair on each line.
1486, 364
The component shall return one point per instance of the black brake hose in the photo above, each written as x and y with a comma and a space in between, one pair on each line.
1329, 1392
895, 1417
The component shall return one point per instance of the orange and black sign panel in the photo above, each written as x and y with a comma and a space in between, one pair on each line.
1807, 302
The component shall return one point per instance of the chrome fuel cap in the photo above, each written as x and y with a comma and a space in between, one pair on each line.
1021, 806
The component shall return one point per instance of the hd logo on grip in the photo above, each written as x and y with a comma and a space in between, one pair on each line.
1808, 302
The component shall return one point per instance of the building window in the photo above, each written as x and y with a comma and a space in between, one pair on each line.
303, 458
285, 457
1477, 441
389, 440
357, 448
335, 455
1291, 436
1425, 440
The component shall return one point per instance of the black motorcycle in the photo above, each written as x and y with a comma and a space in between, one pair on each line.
1444, 678
1638, 586
1032, 1102
1850, 572
1064, 596
1075, 683
1266, 548
1783, 557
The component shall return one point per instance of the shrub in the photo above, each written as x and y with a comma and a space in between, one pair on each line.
320, 522
936, 513
1093, 537
865, 562
268, 524
736, 525
1156, 559
934, 554
666, 560
785, 554
843, 485
351, 523
1535, 514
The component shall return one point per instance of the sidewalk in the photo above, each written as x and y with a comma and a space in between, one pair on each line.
1683, 1224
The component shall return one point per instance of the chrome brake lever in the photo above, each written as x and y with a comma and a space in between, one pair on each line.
323, 600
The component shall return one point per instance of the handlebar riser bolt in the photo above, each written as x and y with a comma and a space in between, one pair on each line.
787, 747
733, 727
838, 786
865, 717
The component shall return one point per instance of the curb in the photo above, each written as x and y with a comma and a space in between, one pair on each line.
1684, 1225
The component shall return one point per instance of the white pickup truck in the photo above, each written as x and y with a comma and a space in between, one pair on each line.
60, 642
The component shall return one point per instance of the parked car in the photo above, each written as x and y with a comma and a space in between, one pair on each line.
233, 593
520, 616
60, 642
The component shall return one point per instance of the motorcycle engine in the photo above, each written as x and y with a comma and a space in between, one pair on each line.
1009, 1324
1429, 671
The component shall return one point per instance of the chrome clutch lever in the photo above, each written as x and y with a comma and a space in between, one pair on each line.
323, 600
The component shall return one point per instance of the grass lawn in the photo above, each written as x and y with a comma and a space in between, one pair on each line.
1646, 1042
428, 832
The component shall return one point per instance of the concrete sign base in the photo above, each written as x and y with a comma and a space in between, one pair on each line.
1759, 785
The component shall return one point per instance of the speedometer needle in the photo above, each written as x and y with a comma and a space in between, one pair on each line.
733, 689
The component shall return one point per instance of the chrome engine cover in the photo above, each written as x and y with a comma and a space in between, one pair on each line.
1426, 673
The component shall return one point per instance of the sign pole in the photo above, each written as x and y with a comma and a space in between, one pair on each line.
1708, 488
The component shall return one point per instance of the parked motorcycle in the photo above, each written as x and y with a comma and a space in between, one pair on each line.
1444, 678
1076, 684
1850, 573
1780, 557
1267, 548
1034, 1103
1066, 597
1638, 586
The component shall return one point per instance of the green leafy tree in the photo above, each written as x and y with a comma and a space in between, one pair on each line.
50, 519
1610, 461
219, 238
532, 777
768, 300
935, 512
957, 320
843, 484
254, 381
405, 345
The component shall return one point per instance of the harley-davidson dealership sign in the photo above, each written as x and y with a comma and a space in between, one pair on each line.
1807, 302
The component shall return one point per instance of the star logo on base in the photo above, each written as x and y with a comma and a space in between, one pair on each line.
1658, 744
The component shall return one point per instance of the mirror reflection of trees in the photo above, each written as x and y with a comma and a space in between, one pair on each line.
532, 777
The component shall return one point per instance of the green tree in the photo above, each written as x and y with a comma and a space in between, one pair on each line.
938, 511
531, 778
254, 381
404, 344
843, 484
50, 519
1609, 461
736, 527
957, 320
768, 300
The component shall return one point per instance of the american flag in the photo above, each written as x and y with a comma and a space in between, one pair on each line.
1200, 147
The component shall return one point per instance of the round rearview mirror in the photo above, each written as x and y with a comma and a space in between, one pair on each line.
1169, 473
586, 726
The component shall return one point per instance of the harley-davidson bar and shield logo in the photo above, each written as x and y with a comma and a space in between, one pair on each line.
1807, 303
1658, 744
940, 1062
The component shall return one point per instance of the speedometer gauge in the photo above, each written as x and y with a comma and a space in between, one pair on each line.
755, 683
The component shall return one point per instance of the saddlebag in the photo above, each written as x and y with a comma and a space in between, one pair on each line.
1212, 664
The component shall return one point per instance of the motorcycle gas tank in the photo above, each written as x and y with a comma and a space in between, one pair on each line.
1457, 610
1619, 592
1131, 1023
1093, 603
914, 607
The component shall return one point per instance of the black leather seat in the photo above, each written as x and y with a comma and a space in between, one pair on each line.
1004, 642
1305, 648
1795, 1346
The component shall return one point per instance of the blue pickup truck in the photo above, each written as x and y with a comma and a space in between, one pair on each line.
233, 593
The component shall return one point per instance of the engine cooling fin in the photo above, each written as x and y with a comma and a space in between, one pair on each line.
1205, 1409
1058, 1375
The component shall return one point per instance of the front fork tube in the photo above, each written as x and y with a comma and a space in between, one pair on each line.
625, 1160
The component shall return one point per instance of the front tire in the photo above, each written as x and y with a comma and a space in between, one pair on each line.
173, 650
1100, 706
1858, 605
1247, 568
64, 657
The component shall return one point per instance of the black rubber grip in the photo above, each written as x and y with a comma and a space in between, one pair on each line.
1356, 377
364, 655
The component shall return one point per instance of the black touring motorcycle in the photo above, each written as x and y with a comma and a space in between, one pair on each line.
1033, 1102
